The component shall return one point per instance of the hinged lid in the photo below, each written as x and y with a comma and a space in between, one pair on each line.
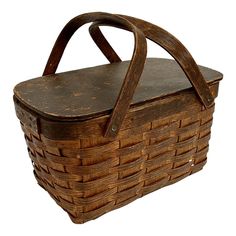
87, 93
90, 92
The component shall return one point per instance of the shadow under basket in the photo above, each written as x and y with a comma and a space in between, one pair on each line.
98, 143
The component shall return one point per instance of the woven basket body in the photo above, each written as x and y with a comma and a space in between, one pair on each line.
159, 142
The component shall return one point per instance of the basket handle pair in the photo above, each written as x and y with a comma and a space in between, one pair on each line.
140, 29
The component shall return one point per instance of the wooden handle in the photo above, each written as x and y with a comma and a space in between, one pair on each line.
167, 41
133, 74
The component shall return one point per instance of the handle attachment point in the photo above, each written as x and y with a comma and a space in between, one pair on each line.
134, 71
168, 42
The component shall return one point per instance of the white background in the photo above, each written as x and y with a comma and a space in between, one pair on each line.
203, 204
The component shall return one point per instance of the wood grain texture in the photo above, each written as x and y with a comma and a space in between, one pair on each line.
92, 92
154, 33
168, 42
160, 139
137, 115
89, 175
134, 70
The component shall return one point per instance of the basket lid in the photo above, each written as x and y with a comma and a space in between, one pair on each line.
90, 92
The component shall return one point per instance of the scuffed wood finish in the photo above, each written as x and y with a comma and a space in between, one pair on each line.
162, 138
156, 34
134, 70
167, 41
92, 92
89, 175
142, 113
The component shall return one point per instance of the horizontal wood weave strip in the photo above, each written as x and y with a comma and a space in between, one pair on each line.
92, 175
102, 137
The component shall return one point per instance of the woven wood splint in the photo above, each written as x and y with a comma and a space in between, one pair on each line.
98, 139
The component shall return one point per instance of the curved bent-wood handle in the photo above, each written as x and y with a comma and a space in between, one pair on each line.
167, 41
133, 74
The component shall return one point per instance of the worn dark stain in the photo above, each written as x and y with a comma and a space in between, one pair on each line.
55, 95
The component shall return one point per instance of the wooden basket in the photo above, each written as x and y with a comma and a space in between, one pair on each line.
94, 152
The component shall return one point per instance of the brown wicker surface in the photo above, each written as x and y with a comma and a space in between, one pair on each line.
90, 176
158, 142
